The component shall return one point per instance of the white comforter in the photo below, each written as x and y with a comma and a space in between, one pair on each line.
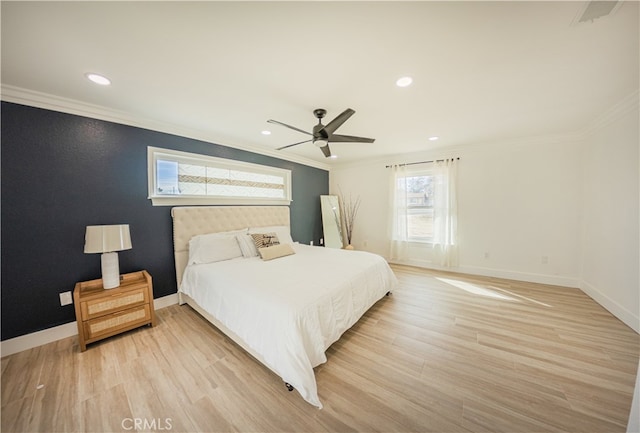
291, 309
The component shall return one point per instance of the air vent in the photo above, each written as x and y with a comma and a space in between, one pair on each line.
596, 9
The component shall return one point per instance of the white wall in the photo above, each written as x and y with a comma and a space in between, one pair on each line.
369, 182
573, 199
517, 202
610, 236
520, 203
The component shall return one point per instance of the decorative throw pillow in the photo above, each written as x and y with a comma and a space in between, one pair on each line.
283, 232
265, 240
276, 251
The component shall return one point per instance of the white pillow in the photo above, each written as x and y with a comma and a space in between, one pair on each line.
283, 232
214, 247
247, 246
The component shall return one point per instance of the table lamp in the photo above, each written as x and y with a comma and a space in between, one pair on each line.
107, 239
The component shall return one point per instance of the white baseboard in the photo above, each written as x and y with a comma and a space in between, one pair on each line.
35, 339
553, 280
622, 313
626, 316
29, 341
165, 301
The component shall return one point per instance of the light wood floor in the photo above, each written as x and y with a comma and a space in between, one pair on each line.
444, 353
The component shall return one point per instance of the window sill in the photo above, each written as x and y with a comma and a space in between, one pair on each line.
426, 242
421, 242
212, 201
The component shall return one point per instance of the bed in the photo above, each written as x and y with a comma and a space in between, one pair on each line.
284, 311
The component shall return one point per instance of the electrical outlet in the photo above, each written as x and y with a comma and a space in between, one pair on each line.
544, 260
65, 299
487, 255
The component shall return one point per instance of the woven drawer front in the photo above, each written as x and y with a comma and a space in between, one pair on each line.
100, 307
117, 322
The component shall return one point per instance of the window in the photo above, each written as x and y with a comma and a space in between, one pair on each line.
180, 178
419, 206
424, 209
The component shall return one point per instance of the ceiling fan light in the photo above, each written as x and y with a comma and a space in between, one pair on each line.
320, 142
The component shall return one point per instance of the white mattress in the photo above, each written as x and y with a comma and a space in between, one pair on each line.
291, 309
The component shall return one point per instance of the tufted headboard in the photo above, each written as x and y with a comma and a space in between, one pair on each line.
196, 220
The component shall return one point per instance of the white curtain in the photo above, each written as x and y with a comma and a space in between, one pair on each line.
445, 213
399, 248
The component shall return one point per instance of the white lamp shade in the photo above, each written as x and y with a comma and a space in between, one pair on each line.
107, 238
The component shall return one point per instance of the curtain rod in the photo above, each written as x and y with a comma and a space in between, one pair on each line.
419, 162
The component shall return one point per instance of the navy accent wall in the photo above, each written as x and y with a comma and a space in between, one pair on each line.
62, 172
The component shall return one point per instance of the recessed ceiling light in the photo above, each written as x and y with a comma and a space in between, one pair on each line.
434, 138
98, 79
265, 132
404, 81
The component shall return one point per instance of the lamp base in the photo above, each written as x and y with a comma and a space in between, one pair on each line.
110, 270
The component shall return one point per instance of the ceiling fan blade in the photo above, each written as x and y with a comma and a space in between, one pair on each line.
335, 123
289, 126
350, 139
326, 150
291, 145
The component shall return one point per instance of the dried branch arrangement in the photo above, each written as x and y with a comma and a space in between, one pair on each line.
349, 212
336, 217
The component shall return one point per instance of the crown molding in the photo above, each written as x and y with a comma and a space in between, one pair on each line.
444, 152
33, 98
623, 107
47, 101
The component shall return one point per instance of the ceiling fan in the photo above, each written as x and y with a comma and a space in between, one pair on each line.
322, 135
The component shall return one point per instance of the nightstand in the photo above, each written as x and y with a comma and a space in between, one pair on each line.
102, 313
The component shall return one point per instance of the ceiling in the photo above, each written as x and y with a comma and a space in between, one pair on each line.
482, 72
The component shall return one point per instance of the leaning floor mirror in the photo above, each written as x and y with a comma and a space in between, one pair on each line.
331, 221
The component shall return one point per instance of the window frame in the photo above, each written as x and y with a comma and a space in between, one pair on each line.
155, 153
418, 173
